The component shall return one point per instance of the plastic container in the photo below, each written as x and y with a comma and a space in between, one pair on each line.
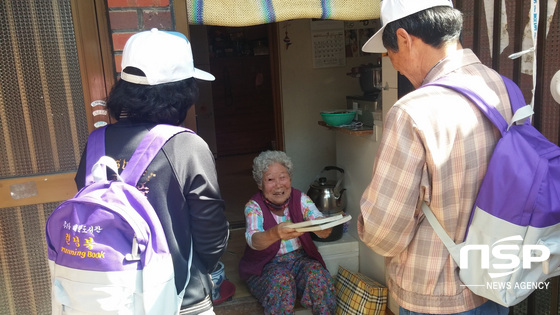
344, 252
218, 277
338, 117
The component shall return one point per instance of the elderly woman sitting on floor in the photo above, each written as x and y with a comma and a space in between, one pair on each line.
279, 263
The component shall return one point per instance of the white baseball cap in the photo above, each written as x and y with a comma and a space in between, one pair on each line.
163, 56
392, 10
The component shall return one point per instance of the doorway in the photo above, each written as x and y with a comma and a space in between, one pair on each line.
239, 116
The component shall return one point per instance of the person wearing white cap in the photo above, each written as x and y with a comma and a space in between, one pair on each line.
158, 85
435, 148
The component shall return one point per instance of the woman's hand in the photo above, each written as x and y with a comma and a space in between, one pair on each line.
285, 233
323, 233
261, 240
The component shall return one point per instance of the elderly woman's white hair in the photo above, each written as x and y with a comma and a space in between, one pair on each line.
267, 158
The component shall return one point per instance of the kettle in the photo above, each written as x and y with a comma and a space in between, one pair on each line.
327, 194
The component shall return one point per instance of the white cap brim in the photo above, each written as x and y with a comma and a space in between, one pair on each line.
375, 43
203, 75
392, 10
137, 79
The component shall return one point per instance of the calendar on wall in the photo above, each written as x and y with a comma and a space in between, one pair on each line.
328, 43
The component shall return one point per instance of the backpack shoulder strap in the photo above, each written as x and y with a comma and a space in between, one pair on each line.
490, 112
95, 149
150, 145
142, 157
146, 151
438, 228
515, 94
521, 111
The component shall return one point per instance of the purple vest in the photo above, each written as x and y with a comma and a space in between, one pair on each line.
253, 261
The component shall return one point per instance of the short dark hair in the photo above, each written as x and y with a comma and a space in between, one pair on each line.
165, 103
434, 26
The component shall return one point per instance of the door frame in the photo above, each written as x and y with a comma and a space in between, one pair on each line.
95, 59
95, 54
182, 25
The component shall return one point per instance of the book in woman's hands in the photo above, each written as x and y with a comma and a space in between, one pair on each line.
320, 224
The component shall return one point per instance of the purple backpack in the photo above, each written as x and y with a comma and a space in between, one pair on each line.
106, 247
512, 245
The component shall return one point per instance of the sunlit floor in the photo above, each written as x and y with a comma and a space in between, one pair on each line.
231, 257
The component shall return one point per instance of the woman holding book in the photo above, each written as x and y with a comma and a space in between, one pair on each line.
281, 264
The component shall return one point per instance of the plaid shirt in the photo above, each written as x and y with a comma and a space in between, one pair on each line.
435, 147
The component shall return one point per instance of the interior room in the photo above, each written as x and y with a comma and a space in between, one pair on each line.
228, 50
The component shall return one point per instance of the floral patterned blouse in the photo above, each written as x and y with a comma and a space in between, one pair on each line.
254, 222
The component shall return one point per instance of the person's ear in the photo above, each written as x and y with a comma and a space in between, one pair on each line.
404, 40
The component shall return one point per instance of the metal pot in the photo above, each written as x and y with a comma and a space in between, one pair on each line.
370, 79
328, 195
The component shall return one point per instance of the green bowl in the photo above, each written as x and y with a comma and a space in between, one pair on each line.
338, 117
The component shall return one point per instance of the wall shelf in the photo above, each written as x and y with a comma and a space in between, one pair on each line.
362, 131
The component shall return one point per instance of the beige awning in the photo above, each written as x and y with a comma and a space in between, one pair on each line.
253, 12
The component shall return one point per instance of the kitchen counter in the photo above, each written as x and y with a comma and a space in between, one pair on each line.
361, 131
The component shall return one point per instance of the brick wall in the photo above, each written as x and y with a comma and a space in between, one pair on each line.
127, 17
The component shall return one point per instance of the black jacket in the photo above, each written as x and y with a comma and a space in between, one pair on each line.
181, 184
